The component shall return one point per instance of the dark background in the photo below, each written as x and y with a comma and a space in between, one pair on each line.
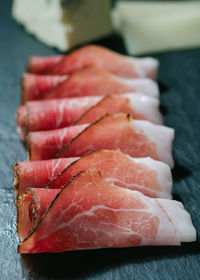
179, 79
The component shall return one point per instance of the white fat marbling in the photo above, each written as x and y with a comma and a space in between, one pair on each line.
162, 136
163, 171
166, 234
146, 86
146, 105
180, 218
145, 67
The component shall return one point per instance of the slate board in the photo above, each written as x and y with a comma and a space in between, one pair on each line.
180, 98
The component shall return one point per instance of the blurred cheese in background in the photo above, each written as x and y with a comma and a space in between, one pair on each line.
157, 26
64, 23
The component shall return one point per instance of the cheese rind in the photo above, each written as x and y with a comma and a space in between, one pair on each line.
64, 24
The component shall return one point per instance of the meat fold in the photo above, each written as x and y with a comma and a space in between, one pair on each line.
90, 213
152, 178
46, 144
85, 82
139, 106
120, 65
119, 131
36, 86
37, 173
59, 113
51, 114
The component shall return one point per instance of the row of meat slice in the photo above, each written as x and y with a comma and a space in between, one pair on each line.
113, 131
60, 206
90, 213
59, 113
85, 82
151, 177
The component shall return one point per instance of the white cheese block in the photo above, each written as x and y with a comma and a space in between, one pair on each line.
149, 27
64, 23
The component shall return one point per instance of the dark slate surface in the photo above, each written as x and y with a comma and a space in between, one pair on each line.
180, 83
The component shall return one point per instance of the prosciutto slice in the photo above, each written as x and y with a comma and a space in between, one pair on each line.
153, 178
41, 64
85, 82
120, 65
35, 86
52, 114
119, 131
91, 213
59, 113
45, 144
94, 80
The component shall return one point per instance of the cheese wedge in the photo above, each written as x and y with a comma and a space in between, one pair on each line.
149, 27
64, 23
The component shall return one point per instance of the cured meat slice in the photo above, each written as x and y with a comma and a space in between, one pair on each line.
152, 178
94, 80
119, 131
35, 86
59, 113
140, 107
120, 65
45, 144
96, 214
52, 114
41, 64
37, 173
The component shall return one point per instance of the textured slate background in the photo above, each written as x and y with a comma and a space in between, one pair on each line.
180, 83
